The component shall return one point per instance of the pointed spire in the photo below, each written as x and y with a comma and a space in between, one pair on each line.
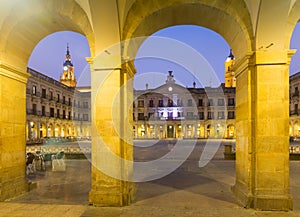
68, 56
68, 52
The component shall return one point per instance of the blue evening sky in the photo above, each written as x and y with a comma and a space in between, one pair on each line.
193, 53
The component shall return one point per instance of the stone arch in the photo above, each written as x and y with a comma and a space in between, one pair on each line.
22, 25
230, 132
50, 130
292, 20
220, 130
210, 132
32, 130
296, 128
158, 15
18, 38
43, 130
69, 130
57, 130
63, 130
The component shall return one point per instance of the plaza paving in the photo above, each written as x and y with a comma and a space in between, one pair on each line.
188, 191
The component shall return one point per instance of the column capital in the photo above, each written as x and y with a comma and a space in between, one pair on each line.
13, 72
129, 68
263, 57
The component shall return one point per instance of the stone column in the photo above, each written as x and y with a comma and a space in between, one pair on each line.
38, 128
262, 127
13, 129
29, 134
166, 130
47, 129
112, 153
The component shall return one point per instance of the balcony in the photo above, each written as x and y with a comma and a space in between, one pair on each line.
295, 97
295, 94
294, 112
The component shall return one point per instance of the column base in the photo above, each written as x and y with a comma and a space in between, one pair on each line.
110, 199
265, 202
15, 188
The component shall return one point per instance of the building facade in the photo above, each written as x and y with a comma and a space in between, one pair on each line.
56, 109
60, 109
173, 111
294, 124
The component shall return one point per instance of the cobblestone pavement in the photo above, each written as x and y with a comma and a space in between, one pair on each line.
188, 191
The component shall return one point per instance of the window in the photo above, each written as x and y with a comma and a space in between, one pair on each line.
151, 103
85, 117
220, 102
58, 97
296, 93
69, 116
64, 100
190, 102
79, 117
170, 102
231, 115
52, 112
201, 115
221, 115
44, 93
78, 104
189, 114
141, 116
141, 103
179, 102
69, 101
151, 116
74, 115
34, 109
200, 102
160, 103
210, 115
64, 114
296, 108
85, 104
231, 102
34, 90
170, 115
51, 95
57, 113
43, 111
210, 102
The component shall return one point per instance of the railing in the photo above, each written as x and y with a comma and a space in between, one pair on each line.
295, 94
70, 149
48, 79
57, 149
294, 149
295, 112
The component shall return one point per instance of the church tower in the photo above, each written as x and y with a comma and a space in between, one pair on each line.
230, 80
68, 77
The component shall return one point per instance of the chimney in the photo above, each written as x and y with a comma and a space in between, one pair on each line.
147, 86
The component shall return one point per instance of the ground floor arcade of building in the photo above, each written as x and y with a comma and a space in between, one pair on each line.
184, 129
38, 128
